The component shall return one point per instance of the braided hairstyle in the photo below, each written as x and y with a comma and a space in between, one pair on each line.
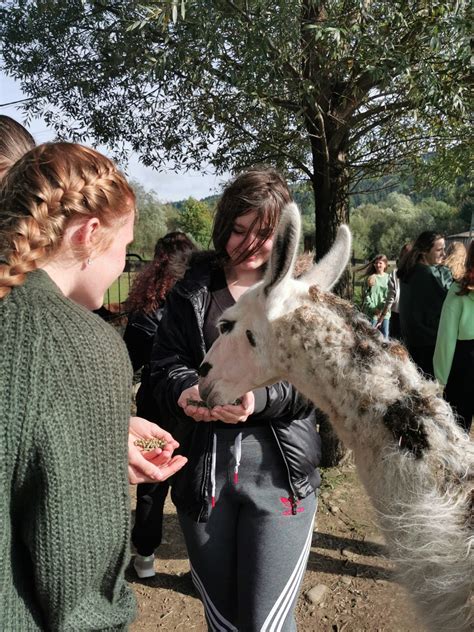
151, 286
15, 141
49, 187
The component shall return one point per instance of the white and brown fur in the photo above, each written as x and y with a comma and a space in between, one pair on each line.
414, 461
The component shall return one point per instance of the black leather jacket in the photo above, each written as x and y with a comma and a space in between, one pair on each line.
178, 350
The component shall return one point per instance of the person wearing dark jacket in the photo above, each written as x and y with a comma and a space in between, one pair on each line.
145, 306
424, 283
247, 497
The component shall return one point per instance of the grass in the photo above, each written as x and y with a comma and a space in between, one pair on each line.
118, 291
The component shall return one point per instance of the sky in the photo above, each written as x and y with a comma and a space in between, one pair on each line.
170, 186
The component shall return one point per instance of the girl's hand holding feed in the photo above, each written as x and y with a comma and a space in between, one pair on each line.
192, 404
150, 453
237, 412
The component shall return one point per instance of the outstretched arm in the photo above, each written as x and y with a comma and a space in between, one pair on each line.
157, 464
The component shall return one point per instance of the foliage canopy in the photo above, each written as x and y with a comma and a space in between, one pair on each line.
328, 90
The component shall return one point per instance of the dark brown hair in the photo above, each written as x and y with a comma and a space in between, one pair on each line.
15, 141
262, 190
422, 245
467, 280
153, 283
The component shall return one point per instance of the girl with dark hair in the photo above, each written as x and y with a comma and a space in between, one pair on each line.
247, 498
424, 283
145, 305
375, 291
454, 353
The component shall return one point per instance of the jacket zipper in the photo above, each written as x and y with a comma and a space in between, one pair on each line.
293, 497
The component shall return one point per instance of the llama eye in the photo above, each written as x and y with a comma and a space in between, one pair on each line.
226, 326
251, 338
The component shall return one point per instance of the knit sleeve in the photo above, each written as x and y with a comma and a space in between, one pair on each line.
447, 335
74, 521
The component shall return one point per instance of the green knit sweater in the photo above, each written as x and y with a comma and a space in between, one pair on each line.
64, 508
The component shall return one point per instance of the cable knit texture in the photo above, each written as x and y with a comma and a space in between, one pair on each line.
65, 384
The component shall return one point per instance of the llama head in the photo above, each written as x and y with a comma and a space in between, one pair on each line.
244, 356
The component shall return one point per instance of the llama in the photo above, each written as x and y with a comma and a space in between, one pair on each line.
414, 461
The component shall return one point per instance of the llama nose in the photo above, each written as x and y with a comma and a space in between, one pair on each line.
204, 369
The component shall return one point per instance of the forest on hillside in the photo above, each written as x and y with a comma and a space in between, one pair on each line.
384, 214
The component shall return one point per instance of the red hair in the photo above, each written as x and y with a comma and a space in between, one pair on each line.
153, 283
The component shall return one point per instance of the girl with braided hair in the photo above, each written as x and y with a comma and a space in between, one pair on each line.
145, 305
66, 217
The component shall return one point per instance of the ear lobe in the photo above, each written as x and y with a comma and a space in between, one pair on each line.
327, 272
285, 247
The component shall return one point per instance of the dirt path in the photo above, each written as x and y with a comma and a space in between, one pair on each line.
347, 574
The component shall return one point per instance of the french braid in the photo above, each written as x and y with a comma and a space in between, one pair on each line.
50, 186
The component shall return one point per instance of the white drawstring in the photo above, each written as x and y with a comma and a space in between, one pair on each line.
213, 471
237, 455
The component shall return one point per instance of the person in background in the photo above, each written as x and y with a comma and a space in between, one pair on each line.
374, 292
424, 283
393, 296
145, 307
455, 259
454, 352
247, 498
66, 217
15, 141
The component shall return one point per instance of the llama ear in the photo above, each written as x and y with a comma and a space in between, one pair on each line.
326, 273
285, 247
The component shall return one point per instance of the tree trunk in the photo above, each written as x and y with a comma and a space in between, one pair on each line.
331, 202
329, 140
331, 197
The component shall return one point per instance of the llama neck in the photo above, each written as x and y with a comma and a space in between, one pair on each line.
354, 379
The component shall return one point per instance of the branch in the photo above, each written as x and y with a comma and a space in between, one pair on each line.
386, 107
292, 70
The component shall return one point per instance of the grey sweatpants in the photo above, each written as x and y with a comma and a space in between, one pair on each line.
248, 560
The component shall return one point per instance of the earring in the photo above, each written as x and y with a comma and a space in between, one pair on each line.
89, 261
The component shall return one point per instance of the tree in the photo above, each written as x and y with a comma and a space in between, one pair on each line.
195, 218
395, 220
328, 90
152, 223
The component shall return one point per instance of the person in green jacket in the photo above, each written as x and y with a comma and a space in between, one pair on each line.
374, 292
424, 283
454, 352
66, 217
